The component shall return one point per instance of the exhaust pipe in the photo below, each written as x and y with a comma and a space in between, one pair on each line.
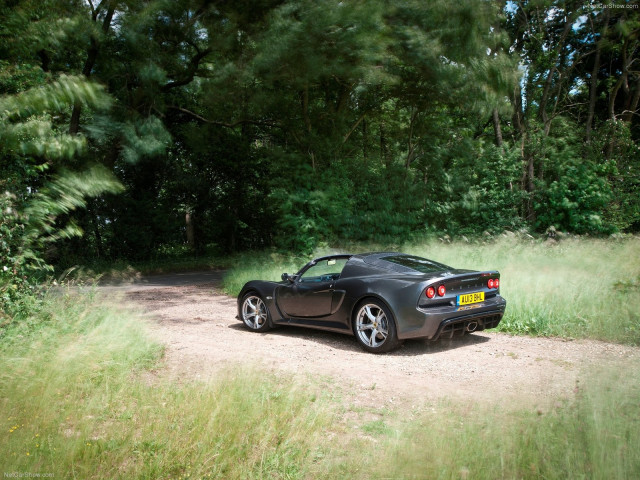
471, 326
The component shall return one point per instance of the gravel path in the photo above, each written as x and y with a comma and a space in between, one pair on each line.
198, 326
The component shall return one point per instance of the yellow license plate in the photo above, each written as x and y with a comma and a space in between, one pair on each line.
468, 298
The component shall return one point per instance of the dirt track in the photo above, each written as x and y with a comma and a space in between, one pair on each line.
198, 325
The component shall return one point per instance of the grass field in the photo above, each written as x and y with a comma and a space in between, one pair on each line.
81, 397
582, 288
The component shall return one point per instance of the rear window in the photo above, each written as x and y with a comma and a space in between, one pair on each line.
417, 263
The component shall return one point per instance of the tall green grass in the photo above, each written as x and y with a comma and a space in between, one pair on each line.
583, 288
79, 399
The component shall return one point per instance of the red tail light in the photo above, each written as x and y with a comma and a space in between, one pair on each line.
490, 283
442, 290
431, 292
496, 283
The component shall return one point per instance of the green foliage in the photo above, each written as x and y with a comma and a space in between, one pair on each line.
313, 41
614, 140
146, 138
25, 235
302, 219
64, 194
574, 192
20, 77
576, 201
295, 124
53, 97
485, 196
36, 201
27, 132
19, 265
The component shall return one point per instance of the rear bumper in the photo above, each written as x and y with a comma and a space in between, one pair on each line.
448, 321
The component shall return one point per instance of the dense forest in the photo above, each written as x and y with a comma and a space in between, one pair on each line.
131, 127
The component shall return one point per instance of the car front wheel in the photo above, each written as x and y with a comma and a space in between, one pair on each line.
374, 327
254, 312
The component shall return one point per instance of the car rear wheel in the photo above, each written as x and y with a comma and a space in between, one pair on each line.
254, 312
374, 327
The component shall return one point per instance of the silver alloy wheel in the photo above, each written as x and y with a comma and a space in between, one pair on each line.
372, 325
254, 312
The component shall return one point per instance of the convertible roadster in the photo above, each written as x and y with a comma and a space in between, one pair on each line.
381, 298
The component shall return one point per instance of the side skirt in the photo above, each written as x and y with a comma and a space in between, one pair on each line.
316, 325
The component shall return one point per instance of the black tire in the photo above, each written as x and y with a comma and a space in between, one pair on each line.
254, 312
374, 327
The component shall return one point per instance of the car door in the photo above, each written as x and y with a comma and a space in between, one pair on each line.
303, 300
312, 293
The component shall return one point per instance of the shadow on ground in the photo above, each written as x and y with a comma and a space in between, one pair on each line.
347, 342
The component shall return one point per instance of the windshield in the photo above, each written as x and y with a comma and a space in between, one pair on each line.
324, 270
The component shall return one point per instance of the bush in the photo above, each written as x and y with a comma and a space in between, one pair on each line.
18, 264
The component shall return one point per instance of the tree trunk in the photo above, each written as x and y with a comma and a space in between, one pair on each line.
307, 123
92, 55
531, 214
44, 59
383, 146
592, 93
96, 230
593, 84
518, 121
411, 146
365, 140
621, 83
496, 128
628, 115
191, 238
612, 99
544, 117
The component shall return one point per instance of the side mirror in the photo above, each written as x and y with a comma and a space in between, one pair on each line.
286, 277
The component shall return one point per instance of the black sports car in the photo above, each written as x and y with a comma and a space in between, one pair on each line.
381, 298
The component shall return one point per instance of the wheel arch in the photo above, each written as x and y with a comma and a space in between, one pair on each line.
361, 300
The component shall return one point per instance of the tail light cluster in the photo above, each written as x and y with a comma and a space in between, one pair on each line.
441, 290
431, 291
